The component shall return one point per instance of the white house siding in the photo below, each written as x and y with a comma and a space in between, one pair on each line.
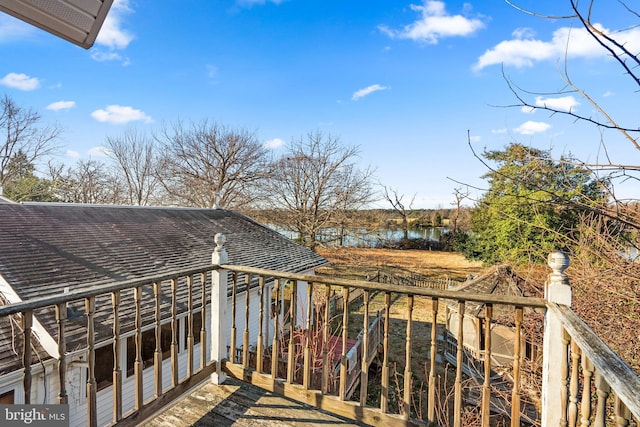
254, 317
301, 306
78, 405
45, 388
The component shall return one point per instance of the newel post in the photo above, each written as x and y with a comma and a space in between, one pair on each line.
558, 290
219, 309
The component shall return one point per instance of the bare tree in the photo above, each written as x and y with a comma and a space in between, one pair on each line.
208, 164
397, 202
23, 133
313, 182
140, 163
460, 196
87, 182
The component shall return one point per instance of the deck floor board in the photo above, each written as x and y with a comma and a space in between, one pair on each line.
239, 404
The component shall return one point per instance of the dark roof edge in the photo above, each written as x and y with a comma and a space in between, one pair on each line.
92, 205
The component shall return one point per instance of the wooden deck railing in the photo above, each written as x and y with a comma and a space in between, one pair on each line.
404, 382
501, 392
145, 305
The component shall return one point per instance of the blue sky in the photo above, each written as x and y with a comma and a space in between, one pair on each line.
404, 81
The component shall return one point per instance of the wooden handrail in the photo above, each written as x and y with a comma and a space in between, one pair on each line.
623, 381
599, 363
95, 289
401, 289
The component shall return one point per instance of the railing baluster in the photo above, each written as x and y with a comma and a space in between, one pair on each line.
573, 385
138, 364
602, 391
61, 317
384, 397
343, 358
306, 373
232, 345
92, 408
260, 349
27, 323
431, 408
622, 413
457, 411
364, 370
157, 354
174, 333
408, 383
245, 335
564, 374
203, 322
517, 356
325, 341
117, 371
486, 387
276, 331
291, 354
190, 340
587, 373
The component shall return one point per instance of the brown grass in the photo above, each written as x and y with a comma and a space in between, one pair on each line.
360, 263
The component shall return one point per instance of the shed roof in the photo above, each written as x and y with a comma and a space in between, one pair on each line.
498, 280
46, 247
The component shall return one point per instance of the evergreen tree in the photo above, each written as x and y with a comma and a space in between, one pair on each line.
24, 185
532, 207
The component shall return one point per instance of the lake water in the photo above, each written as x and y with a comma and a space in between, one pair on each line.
369, 238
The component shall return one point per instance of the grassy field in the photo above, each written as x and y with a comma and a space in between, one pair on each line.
359, 263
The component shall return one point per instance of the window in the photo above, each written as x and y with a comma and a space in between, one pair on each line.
149, 347
7, 398
103, 369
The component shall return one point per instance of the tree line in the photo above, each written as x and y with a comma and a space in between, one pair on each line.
315, 183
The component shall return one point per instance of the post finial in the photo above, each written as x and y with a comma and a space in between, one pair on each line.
219, 255
558, 261
220, 240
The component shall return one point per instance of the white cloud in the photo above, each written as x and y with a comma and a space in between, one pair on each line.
563, 103
434, 23
273, 143
112, 35
524, 50
73, 154
61, 105
20, 81
367, 91
118, 114
99, 152
101, 56
531, 128
608, 94
474, 138
499, 131
250, 3
523, 33
527, 110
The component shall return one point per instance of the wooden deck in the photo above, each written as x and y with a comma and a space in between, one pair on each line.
236, 403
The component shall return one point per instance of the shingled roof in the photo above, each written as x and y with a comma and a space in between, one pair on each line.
45, 247
498, 280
